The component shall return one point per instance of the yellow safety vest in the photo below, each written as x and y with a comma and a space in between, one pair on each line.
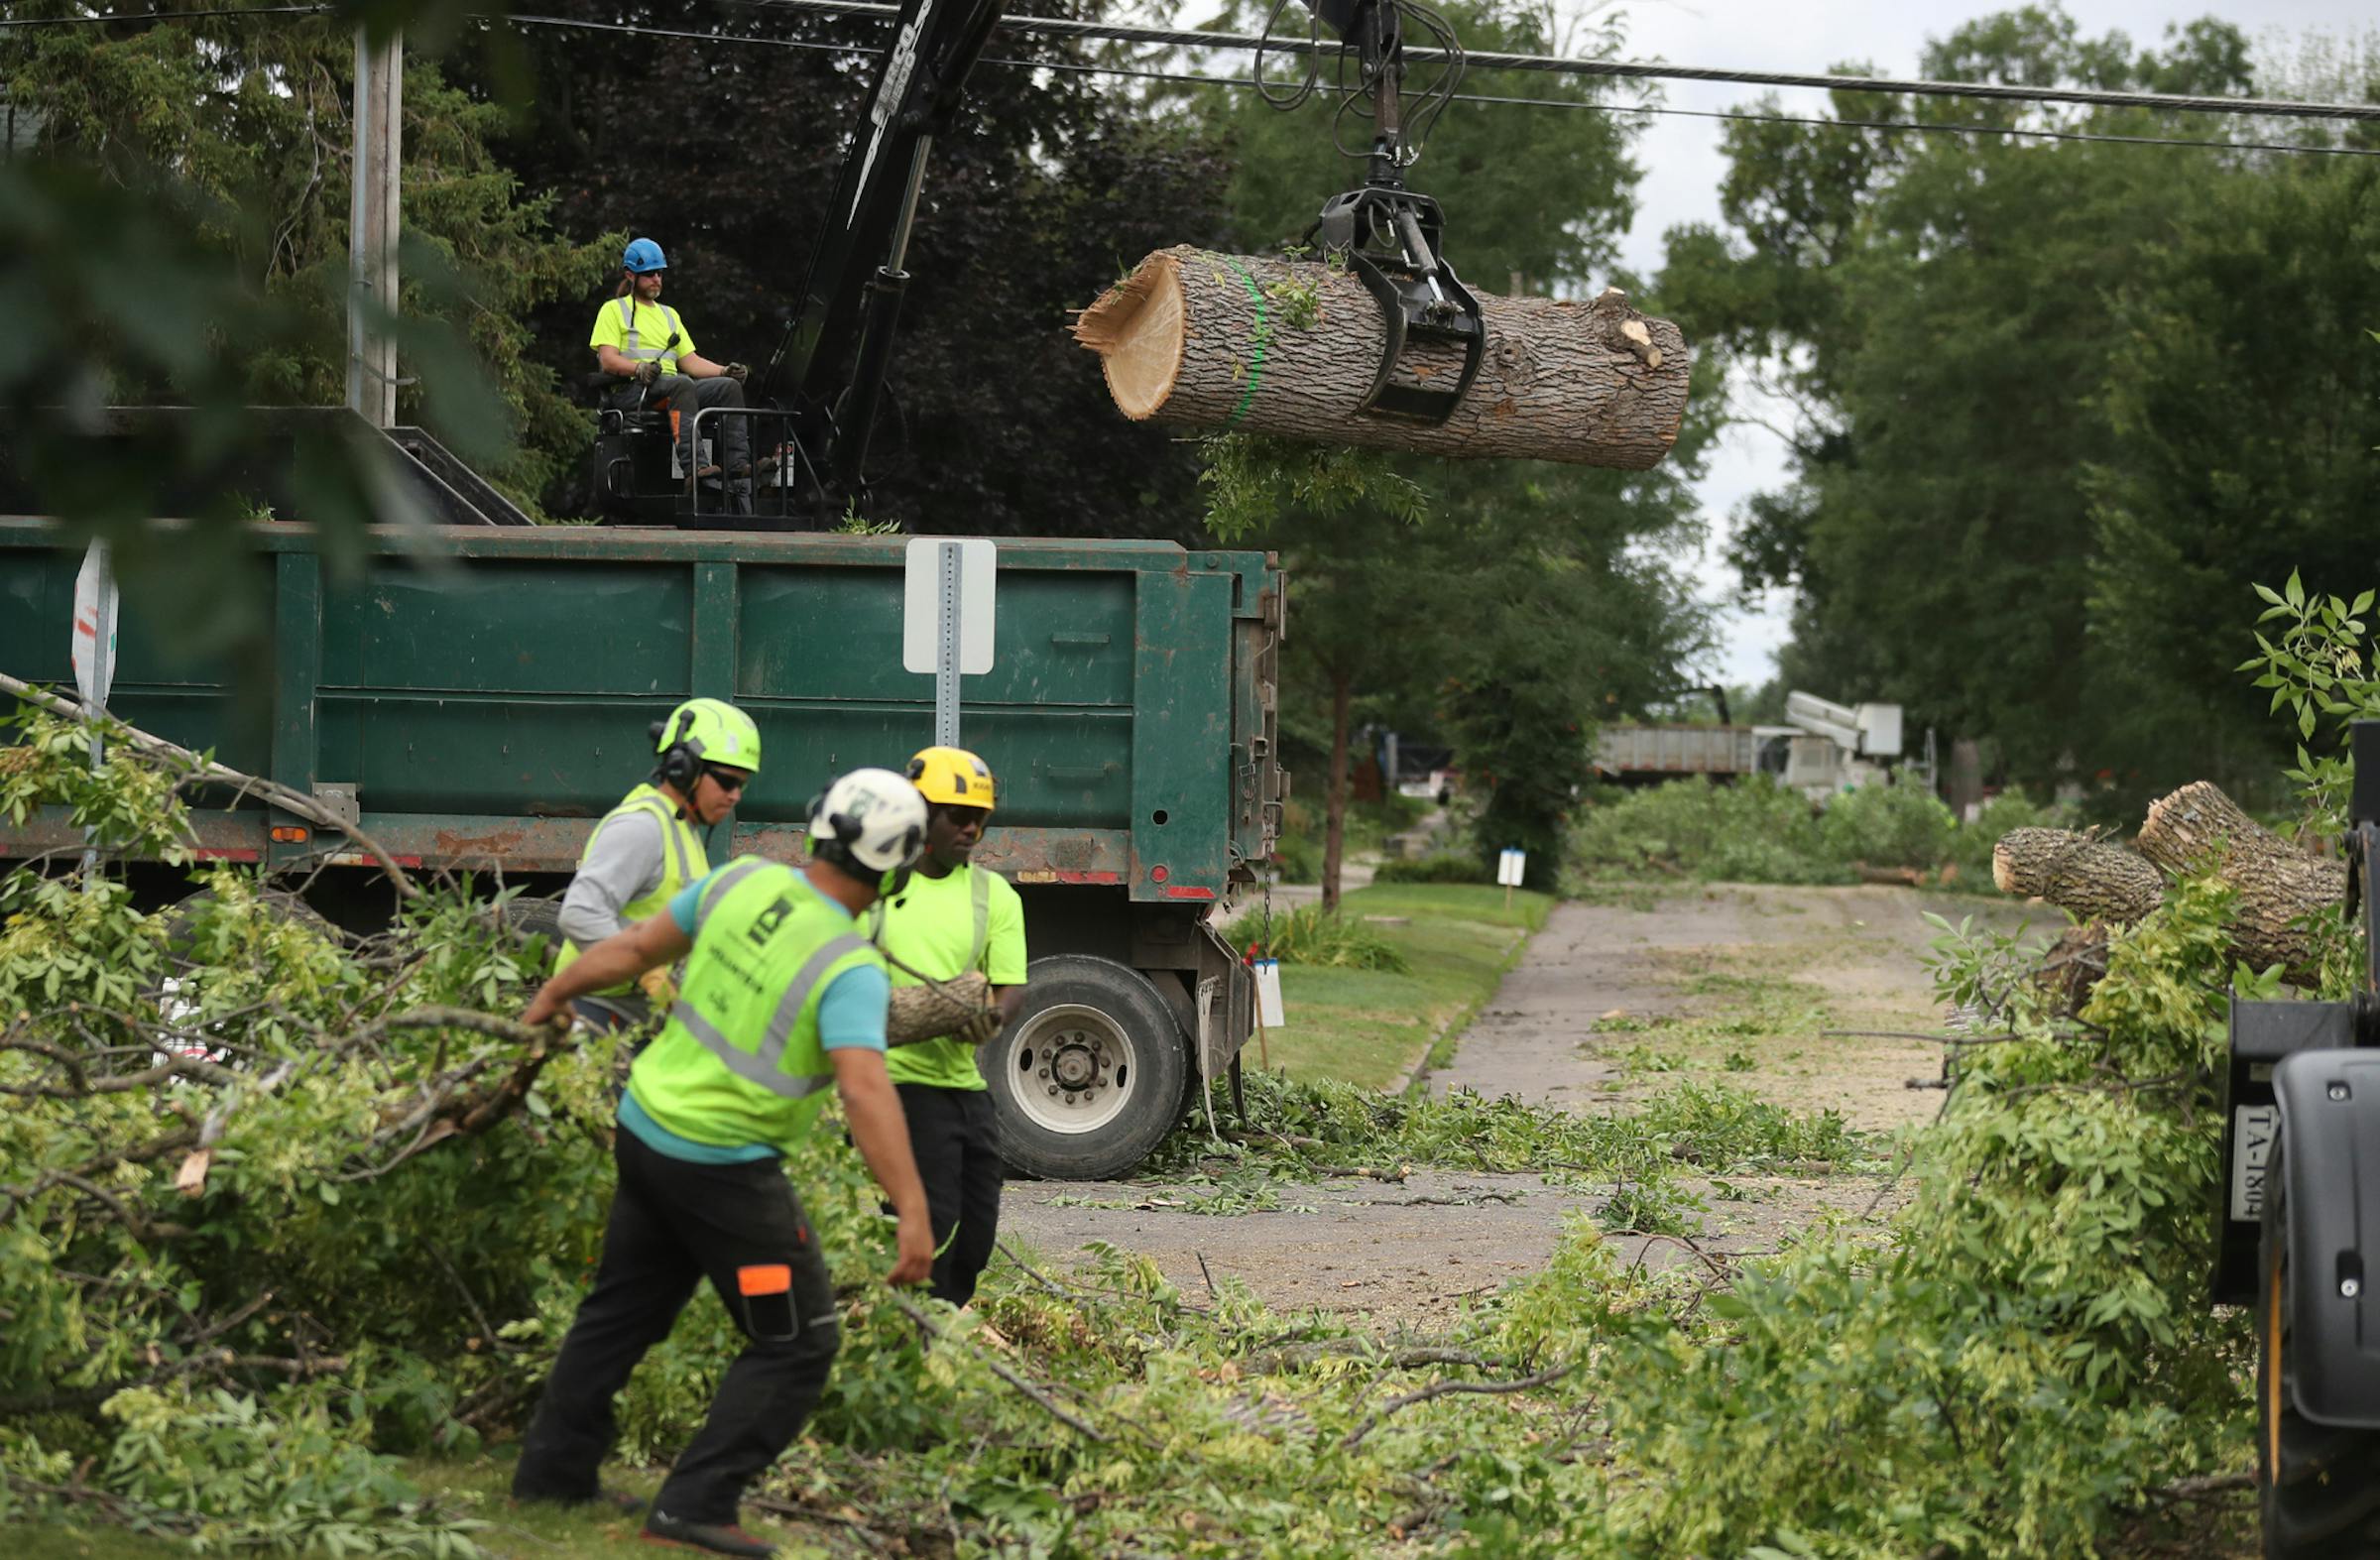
682, 861
630, 346
740, 1060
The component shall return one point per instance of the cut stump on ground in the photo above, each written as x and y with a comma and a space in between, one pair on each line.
2194, 829
1290, 348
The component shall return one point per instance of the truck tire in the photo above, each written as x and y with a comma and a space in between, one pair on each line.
535, 918
1096, 1025
2318, 1485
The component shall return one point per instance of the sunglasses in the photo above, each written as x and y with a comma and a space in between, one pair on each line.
726, 779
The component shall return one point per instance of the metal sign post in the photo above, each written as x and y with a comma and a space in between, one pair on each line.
946, 628
952, 611
94, 656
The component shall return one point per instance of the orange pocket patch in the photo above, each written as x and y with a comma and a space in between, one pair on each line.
771, 1278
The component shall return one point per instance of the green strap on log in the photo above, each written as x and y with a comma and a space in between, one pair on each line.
1264, 333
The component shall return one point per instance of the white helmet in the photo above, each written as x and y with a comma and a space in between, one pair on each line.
868, 822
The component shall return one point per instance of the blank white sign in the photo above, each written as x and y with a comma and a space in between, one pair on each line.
922, 615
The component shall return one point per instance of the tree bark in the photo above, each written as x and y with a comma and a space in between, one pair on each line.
1334, 803
2075, 871
2199, 827
1290, 348
2196, 828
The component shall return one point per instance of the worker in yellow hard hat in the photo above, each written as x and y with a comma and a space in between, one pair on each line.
953, 917
650, 846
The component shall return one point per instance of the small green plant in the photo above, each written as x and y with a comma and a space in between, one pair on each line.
2313, 653
855, 524
1311, 935
1299, 300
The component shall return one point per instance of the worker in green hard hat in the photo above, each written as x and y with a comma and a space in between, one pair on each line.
650, 846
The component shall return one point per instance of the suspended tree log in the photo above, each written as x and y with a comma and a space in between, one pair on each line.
2076, 871
1290, 347
2199, 827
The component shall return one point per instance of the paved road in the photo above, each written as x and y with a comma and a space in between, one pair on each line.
1404, 1253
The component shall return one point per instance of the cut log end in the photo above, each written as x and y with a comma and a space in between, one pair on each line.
1136, 331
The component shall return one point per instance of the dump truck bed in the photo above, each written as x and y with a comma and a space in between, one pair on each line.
481, 695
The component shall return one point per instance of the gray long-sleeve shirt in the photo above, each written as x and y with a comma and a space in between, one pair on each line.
624, 865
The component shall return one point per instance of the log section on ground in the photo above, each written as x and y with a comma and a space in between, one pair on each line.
1290, 347
2196, 829
2280, 885
2080, 873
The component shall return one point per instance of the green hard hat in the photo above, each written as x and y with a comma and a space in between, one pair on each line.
715, 732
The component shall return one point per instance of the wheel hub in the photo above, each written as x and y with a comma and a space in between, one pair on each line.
1072, 1067
1076, 1063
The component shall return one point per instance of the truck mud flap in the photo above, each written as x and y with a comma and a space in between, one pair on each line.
1233, 1019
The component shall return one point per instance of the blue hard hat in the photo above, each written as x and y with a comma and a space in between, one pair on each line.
644, 255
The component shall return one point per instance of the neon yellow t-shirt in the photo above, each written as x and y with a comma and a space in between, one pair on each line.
640, 330
932, 926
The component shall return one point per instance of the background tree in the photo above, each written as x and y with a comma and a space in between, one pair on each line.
1988, 394
2228, 461
725, 147
176, 211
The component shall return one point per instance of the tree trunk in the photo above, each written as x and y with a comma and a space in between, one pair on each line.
2198, 827
2075, 871
1290, 348
1333, 801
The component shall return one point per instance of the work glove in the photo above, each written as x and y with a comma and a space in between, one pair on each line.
980, 1028
648, 372
658, 988
738, 372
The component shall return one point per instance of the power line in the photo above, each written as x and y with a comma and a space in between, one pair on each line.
2004, 132
1629, 69
1058, 25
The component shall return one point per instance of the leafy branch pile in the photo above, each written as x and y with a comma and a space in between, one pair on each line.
1757, 831
2018, 1364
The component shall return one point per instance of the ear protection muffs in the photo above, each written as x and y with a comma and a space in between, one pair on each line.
679, 765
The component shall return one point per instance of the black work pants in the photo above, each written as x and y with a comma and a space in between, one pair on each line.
673, 1224
958, 1158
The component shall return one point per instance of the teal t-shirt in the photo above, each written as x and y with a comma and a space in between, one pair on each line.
850, 1013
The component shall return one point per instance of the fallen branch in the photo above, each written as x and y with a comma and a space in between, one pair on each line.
1040, 1399
281, 797
1449, 1388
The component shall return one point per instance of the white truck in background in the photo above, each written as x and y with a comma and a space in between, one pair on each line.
1824, 748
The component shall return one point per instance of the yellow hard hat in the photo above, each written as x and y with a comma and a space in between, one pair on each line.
952, 777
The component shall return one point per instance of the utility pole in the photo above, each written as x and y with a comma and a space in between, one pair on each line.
372, 228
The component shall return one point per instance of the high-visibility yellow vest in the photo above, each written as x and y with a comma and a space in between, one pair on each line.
941, 927
631, 344
740, 1060
683, 860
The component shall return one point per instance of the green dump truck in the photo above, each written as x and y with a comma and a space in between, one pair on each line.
475, 697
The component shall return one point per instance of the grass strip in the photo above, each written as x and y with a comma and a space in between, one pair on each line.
1374, 1027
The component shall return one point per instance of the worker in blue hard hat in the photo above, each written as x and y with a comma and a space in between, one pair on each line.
643, 341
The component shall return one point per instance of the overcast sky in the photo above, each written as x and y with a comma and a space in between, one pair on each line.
1683, 167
